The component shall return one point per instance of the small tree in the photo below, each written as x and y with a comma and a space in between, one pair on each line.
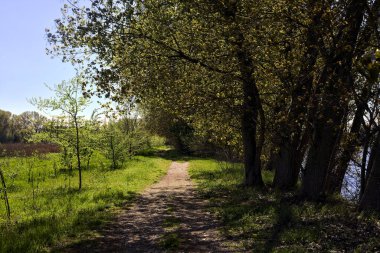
4, 190
70, 102
92, 130
115, 145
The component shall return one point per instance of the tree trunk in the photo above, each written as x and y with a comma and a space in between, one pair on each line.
371, 196
112, 151
271, 160
371, 159
288, 166
283, 178
252, 173
261, 138
249, 117
251, 99
289, 158
319, 156
335, 179
335, 84
77, 147
4, 186
363, 174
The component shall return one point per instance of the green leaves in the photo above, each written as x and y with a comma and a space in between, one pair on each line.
68, 99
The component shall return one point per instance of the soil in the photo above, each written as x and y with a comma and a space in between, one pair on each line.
168, 217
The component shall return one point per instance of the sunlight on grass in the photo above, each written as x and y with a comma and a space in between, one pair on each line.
46, 206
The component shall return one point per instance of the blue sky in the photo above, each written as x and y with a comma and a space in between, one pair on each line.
24, 66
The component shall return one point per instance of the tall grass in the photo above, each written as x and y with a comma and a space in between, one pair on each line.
47, 209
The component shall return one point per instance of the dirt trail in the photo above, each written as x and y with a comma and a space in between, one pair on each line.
169, 216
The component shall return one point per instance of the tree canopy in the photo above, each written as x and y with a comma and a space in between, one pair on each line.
293, 85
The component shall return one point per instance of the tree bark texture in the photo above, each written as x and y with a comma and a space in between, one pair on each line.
371, 195
249, 117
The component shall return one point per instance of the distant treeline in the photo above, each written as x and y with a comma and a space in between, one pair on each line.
18, 128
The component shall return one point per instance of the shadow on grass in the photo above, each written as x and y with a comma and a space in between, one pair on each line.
35, 234
175, 155
267, 221
169, 154
29, 236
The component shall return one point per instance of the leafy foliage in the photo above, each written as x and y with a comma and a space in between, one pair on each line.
293, 84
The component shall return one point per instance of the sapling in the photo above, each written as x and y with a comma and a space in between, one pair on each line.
4, 190
70, 102
55, 169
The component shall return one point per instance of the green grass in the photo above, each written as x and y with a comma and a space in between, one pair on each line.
47, 209
170, 241
267, 221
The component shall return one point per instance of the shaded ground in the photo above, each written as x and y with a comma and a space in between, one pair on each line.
271, 221
169, 216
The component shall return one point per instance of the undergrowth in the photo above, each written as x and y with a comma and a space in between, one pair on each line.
268, 221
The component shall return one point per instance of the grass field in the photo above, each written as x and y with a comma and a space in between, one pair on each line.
47, 209
266, 221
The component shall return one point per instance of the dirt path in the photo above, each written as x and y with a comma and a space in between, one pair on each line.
169, 216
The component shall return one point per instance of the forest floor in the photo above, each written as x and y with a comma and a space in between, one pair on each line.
170, 216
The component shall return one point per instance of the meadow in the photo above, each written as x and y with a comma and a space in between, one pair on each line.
46, 208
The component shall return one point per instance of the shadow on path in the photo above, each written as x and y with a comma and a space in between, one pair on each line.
169, 216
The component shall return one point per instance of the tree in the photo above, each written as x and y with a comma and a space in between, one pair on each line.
315, 83
26, 124
115, 144
224, 68
91, 130
70, 102
335, 84
163, 49
4, 126
362, 121
293, 131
